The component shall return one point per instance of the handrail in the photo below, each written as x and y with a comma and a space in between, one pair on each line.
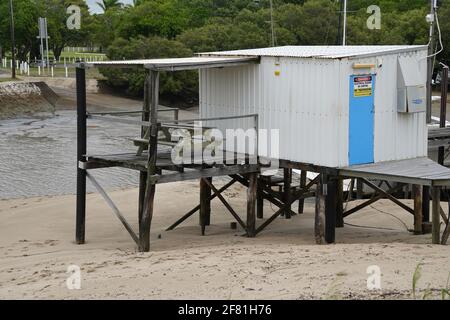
213, 119
179, 123
166, 109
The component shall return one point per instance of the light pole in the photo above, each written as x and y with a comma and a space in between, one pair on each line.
13, 41
432, 17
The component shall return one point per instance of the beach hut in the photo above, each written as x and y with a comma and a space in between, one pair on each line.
333, 106
347, 112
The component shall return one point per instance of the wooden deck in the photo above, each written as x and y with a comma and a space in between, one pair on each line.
438, 137
198, 167
423, 171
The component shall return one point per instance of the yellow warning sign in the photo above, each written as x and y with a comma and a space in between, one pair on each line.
362, 86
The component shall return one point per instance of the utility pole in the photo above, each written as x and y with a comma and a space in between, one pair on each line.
13, 41
272, 23
341, 11
344, 39
431, 18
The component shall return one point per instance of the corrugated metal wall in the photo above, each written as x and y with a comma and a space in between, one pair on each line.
309, 102
397, 135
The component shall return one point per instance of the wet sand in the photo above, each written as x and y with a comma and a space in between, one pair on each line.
283, 262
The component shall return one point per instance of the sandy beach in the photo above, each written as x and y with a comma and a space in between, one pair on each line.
283, 262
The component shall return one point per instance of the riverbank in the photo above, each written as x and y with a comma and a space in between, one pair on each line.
38, 149
283, 262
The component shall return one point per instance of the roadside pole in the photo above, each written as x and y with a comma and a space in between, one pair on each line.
13, 41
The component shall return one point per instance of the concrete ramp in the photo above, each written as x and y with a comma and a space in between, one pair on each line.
19, 99
47, 92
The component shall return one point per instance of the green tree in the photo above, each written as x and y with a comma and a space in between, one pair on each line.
26, 15
175, 85
444, 20
60, 36
406, 28
109, 4
314, 23
164, 18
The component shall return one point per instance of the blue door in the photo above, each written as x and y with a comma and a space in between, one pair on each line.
361, 128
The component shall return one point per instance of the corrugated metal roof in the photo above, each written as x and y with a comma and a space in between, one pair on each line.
324, 52
173, 64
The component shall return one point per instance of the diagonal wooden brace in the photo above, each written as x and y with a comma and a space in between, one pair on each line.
226, 204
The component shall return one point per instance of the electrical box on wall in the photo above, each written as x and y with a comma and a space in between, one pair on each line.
411, 92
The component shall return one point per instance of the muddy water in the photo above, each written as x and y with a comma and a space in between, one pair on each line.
38, 155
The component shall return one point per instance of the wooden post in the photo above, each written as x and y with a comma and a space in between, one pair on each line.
340, 203
143, 175
436, 214
301, 202
205, 204
287, 191
142, 186
350, 189
417, 195
81, 154
147, 212
443, 113
260, 200
330, 211
251, 204
359, 189
319, 223
426, 204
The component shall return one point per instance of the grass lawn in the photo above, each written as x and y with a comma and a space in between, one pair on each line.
74, 55
84, 55
9, 79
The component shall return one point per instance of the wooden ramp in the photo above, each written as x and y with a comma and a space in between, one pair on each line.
421, 171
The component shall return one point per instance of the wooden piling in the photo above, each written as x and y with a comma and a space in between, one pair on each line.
287, 180
146, 218
443, 110
147, 212
251, 204
330, 211
418, 216
81, 155
359, 189
340, 203
260, 200
319, 223
205, 204
301, 202
436, 214
143, 175
425, 204
142, 186
350, 189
